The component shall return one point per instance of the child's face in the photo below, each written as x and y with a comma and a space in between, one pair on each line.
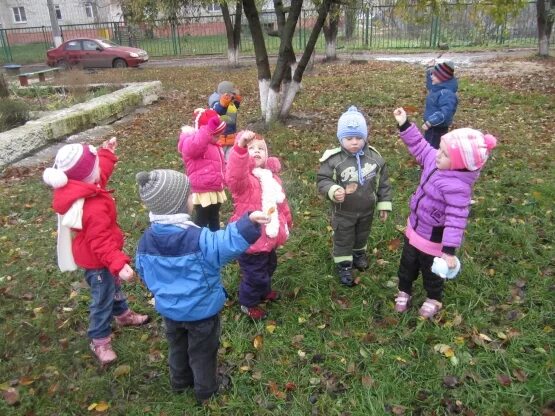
435, 80
257, 150
443, 161
352, 144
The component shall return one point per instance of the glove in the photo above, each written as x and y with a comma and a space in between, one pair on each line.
400, 115
238, 98
225, 100
215, 125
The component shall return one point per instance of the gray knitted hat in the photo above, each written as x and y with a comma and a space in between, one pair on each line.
164, 191
226, 87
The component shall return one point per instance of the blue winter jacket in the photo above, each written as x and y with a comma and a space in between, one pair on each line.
441, 101
181, 266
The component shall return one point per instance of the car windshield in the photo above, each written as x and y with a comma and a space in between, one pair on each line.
107, 43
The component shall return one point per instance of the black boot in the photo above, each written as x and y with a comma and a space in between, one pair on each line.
345, 272
360, 260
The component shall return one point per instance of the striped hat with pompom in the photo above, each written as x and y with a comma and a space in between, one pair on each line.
468, 148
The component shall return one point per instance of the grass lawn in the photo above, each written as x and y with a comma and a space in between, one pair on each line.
325, 349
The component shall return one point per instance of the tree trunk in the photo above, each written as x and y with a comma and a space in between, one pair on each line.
262, 62
350, 22
295, 86
233, 32
545, 25
284, 59
330, 28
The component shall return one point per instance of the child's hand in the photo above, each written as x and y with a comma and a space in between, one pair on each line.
226, 99
431, 63
400, 115
245, 137
259, 217
425, 126
110, 144
126, 273
451, 260
339, 195
238, 98
383, 215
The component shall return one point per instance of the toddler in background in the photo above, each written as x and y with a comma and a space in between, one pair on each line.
354, 178
226, 101
204, 163
252, 178
88, 211
439, 207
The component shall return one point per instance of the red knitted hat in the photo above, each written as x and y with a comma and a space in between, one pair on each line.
202, 115
444, 70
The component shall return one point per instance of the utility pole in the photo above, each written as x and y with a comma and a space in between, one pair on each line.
56, 34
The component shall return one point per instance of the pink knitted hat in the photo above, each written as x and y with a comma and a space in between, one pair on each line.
468, 148
73, 161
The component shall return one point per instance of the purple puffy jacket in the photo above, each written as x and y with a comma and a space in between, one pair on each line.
440, 205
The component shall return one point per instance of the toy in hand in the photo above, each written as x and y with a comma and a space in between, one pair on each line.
440, 268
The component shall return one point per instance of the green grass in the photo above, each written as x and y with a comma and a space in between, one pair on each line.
344, 350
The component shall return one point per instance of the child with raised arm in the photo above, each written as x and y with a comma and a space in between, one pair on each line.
439, 207
204, 163
180, 264
252, 178
89, 237
441, 101
354, 178
226, 101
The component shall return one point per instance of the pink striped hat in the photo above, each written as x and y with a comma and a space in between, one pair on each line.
468, 148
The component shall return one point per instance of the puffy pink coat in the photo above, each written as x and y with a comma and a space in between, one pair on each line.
203, 159
246, 191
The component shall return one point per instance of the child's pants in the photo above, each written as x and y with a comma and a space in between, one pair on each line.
433, 135
193, 355
414, 261
107, 301
349, 233
256, 277
208, 216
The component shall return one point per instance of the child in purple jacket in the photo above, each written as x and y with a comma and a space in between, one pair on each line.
439, 207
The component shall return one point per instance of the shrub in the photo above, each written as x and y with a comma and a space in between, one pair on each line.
13, 113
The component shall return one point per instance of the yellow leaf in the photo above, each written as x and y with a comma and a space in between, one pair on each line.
459, 341
122, 370
91, 406
321, 326
301, 320
301, 353
102, 406
547, 329
244, 368
401, 359
501, 335
258, 342
226, 344
25, 381
270, 328
484, 337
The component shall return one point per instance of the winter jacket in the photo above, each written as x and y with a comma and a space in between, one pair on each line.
99, 243
338, 168
246, 190
181, 266
440, 206
441, 101
203, 159
228, 113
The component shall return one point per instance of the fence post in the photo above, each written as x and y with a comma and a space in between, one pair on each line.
366, 25
5, 45
433, 31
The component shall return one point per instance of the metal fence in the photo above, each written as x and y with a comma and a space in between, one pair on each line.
372, 28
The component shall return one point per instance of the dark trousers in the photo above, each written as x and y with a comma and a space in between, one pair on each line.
349, 233
414, 261
256, 277
193, 355
208, 216
433, 135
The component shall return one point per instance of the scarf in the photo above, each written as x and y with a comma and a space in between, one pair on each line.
360, 176
272, 194
73, 218
179, 220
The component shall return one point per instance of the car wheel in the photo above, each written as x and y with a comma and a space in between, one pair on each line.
119, 63
63, 64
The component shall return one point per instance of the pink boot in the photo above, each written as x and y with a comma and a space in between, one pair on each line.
130, 318
402, 301
430, 308
102, 348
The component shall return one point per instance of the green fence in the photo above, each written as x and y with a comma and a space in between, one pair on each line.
369, 28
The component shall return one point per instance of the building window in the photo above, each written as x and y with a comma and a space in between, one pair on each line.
214, 7
58, 12
89, 10
19, 14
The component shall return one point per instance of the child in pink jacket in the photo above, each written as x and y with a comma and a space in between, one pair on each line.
204, 163
251, 177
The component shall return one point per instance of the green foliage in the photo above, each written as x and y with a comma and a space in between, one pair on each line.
13, 113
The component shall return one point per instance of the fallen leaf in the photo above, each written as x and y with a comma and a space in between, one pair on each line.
258, 342
450, 381
520, 375
122, 370
368, 381
11, 396
504, 380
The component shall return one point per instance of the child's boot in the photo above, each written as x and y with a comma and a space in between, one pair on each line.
402, 301
345, 272
254, 312
102, 348
130, 318
272, 296
430, 308
360, 260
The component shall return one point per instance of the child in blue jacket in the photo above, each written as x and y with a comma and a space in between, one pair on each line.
180, 264
441, 101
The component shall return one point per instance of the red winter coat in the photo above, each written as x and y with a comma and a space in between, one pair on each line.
246, 192
99, 243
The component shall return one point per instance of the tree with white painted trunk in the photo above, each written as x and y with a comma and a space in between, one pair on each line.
232, 30
278, 91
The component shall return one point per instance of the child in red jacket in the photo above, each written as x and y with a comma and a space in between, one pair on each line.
88, 211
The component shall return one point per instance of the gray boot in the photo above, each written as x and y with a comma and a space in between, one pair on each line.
345, 272
360, 260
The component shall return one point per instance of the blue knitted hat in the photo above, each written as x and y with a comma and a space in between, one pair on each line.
352, 124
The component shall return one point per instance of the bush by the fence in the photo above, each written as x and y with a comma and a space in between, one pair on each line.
13, 113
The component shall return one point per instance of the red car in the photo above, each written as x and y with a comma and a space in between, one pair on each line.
94, 53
